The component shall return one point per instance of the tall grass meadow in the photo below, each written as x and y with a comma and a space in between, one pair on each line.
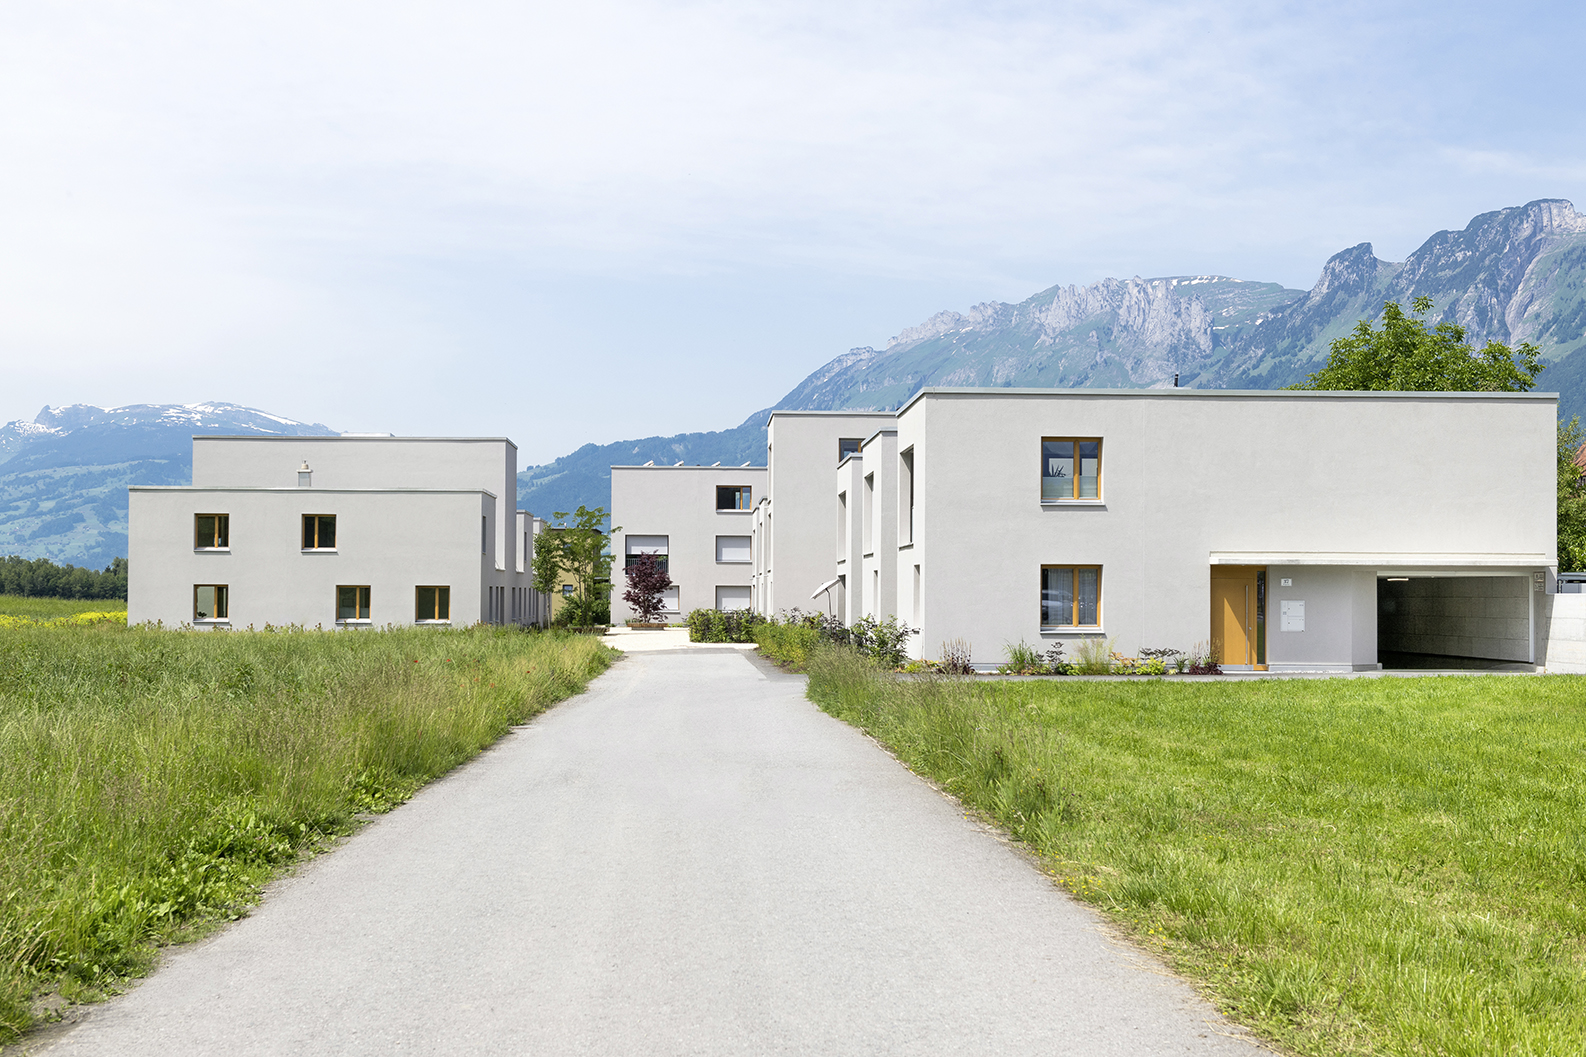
152, 780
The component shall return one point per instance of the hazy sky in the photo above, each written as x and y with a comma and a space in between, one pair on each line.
598, 220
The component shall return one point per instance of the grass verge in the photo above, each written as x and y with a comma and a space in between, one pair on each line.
53, 608
151, 781
1347, 866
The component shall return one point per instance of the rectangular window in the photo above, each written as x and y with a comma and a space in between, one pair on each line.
636, 545
732, 598
734, 549
211, 531
733, 497
1070, 596
842, 525
484, 534
847, 446
1070, 468
906, 493
352, 603
433, 603
319, 532
210, 602
568, 589
867, 513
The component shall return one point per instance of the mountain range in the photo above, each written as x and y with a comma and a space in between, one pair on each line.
1512, 275
64, 476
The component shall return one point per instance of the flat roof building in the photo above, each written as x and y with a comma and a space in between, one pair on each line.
699, 523
335, 532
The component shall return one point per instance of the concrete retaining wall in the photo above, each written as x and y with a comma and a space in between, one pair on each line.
1563, 619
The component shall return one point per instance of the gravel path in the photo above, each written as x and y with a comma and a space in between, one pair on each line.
688, 859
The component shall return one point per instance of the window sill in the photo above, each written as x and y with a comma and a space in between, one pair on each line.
221, 622
319, 550
355, 622
720, 510
1102, 503
211, 550
446, 621
906, 546
868, 554
1072, 629
734, 563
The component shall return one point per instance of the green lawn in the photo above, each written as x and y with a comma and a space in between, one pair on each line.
49, 608
1387, 866
151, 781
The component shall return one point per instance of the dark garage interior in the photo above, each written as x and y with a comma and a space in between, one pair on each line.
1454, 622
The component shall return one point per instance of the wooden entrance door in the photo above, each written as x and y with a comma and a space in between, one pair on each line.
1234, 614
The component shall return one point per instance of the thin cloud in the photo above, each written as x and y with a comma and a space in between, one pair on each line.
238, 185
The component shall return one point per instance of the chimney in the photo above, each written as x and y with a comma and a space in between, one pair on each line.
305, 476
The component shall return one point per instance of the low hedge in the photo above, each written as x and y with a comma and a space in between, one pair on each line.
715, 625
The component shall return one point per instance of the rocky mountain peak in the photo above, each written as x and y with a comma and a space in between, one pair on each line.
1348, 272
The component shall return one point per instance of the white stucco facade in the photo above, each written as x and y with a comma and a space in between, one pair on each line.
701, 518
1323, 494
796, 523
1281, 530
335, 531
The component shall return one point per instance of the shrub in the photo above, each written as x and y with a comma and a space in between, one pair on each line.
789, 637
1201, 662
788, 644
1023, 659
884, 641
715, 625
955, 658
1094, 657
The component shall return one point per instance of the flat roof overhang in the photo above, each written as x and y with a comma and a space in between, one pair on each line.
1423, 563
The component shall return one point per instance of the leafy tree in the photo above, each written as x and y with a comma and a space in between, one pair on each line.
1571, 496
545, 568
583, 554
42, 578
647, 581
1407, 355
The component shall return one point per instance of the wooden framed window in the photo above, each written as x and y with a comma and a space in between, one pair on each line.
352, 603
847, 446
319, 532
432, 603
1070, 468
1070, 596
734, 497
211, 532
210, 602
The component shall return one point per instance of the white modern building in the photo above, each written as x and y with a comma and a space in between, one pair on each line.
1289, 530
1284, 530
343, 531
698, 521
796, 519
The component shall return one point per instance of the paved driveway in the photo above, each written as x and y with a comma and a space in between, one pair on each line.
688, 859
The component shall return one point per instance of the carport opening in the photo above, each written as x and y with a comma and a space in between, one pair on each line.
1475, 622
